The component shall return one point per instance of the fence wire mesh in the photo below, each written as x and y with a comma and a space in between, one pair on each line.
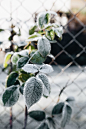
70, 57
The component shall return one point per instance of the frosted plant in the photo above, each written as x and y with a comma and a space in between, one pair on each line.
29, 77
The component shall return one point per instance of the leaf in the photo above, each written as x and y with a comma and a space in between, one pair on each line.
14, 58
37, 58
21, 88
52, 12
66, 115
51, 123
59, 32
17, 82
52, 41
11, 79
50, 34
30, 68
43, 19
6, 59
10, 96
51, 56
33, 37
24, 53
45, 68
23, 76
2, 30
70, 100
33, 91
32, 29
58, 108
37, 115
43, 126
22, 61
46, 83
44, 46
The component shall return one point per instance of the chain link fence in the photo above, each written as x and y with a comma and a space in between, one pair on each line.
70, 57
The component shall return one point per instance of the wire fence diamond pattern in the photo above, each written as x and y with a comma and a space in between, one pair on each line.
69, 64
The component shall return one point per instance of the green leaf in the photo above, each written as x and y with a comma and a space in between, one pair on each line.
43, 19
50, 34
17, 82
23, 53
44, 46
22, 61
6, 59
30, 68
21, 88
51, 123
32, 29
14, 58
11, 79
46, 83
45, 68
33, 37
59, 32
58, 108
10, 96
2, 30
37, 58
66, 115
37, 115
33, 91
43, 126
23, 76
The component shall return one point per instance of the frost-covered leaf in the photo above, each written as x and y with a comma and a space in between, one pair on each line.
14, 58
59, 32
43, 19
44, 125
37, 58
23, 53
30, 68
70, 100
22, 61
6, 59
45, 68
32, 29
51, 56
52, 41
51, 123
33, 91
52, 12
33, 37
58, 108
46, 83
11, 79
10, 96
66, 115
21, 88
37, 115
44, 46
50, 34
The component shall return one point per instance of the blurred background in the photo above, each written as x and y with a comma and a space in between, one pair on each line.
16, 17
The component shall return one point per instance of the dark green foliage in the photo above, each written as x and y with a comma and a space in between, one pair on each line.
37, 115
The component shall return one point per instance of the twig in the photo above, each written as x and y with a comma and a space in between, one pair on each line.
25, 121
11, 118
61, 91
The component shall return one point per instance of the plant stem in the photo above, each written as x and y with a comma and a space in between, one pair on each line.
25, 121
11, 118
61, 91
